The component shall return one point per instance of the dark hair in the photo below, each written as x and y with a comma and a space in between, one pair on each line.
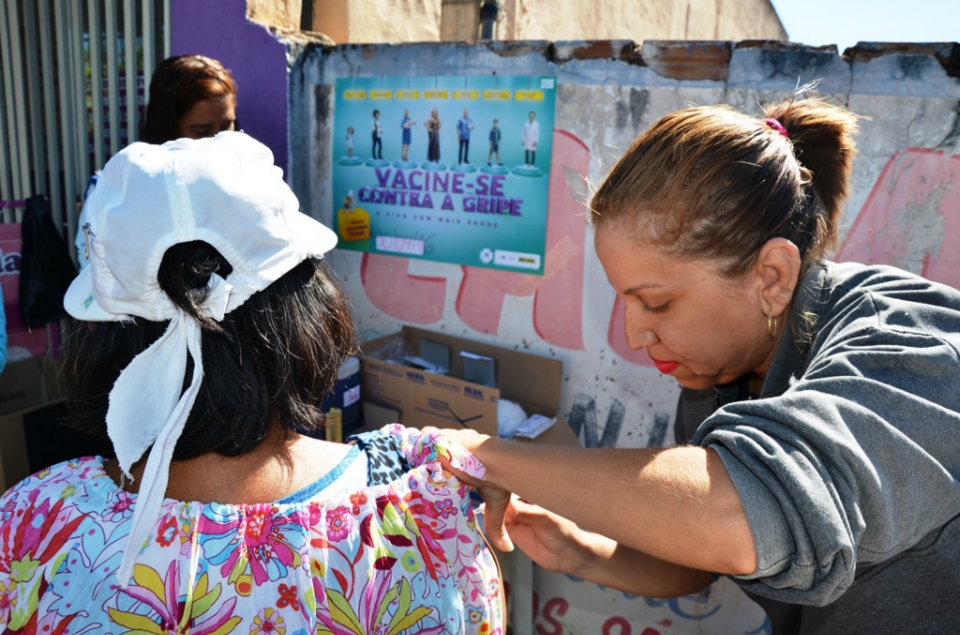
178, 83
712, 183
273, 358
376, 112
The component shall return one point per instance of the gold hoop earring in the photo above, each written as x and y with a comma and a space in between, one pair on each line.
772, 326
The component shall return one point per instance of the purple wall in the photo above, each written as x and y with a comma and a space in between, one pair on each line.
258, 62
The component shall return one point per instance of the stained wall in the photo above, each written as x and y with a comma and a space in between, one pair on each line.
396, 21
904, 211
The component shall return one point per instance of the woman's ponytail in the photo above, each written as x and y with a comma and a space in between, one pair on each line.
822, 138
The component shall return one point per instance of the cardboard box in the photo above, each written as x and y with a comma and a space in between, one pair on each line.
14, 463
38, 437
26, 386
28, 383
427, 399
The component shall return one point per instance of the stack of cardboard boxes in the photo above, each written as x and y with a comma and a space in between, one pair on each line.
414, 396
28, 388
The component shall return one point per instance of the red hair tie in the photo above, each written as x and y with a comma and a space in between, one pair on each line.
776, 125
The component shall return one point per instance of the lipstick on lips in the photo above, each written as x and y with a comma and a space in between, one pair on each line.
665, 367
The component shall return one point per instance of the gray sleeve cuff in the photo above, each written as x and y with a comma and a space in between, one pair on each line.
771, 532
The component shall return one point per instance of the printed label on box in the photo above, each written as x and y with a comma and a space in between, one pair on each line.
416, 378
351, 396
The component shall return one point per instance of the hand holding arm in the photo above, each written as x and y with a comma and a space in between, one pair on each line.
556, 544
678, 505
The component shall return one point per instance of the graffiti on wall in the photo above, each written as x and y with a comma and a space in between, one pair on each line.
553, 610
911, 219
585, 422
908, 220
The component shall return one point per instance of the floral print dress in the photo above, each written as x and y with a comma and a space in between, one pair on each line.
386, 544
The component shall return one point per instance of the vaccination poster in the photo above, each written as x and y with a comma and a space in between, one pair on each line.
450, 169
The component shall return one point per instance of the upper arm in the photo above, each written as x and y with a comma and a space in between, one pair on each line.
850, 465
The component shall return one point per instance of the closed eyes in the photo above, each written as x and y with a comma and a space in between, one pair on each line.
655, 309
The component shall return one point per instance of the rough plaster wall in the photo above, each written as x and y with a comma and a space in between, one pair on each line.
651, 19
331, 17
904, 211
700, 20
507, 24
460, 22
376, 21
279, 13
601, 19
750, 20
393, 21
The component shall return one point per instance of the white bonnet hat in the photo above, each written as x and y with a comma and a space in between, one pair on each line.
223, 190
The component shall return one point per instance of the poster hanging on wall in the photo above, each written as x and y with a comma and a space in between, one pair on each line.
450, 169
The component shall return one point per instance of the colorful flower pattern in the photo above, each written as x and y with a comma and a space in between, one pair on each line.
392, 559
266, 622
339, 524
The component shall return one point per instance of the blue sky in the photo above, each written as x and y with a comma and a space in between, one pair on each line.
845, 22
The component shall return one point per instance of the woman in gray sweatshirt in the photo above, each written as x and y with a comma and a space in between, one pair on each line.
819, 422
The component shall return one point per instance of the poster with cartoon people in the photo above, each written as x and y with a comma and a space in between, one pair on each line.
457, 169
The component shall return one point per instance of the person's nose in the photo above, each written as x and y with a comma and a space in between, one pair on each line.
638, 329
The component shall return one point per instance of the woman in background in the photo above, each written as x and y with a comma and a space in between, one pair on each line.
190, 96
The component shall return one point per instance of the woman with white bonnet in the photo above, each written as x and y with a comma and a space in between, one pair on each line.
207, 332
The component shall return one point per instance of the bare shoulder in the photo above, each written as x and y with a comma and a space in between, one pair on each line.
269, 473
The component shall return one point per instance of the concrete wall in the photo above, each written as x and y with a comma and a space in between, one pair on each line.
395, 21
659, 19
284, 14
378, 20
258, 61
460, 21
905, 211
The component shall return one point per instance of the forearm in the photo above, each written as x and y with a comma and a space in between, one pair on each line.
620, 567
677, 505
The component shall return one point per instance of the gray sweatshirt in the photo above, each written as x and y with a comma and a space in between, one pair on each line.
848, 461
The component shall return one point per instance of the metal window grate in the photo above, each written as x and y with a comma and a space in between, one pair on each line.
73, 78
